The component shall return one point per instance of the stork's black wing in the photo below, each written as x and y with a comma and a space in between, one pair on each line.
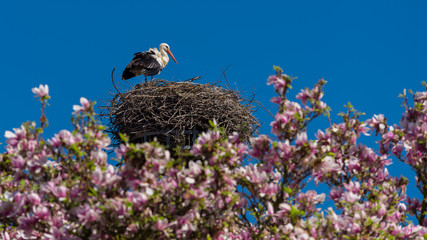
142, 63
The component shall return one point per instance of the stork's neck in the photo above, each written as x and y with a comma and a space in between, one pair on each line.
164, 57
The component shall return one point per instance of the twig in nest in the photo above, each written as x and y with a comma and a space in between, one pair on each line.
225, 77
223, 73
192, 79
112, 79
263, 107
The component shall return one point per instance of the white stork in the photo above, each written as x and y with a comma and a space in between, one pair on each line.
148, 63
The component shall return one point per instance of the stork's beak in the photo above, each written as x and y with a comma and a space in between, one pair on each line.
170, 54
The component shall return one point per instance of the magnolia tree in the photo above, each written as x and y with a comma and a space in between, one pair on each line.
64, 188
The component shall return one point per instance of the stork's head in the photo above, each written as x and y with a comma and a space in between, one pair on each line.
166, 48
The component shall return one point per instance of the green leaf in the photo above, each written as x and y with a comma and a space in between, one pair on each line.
92, 192
277, 69
211, 123
76, 150
287, 190
296, 213
124, 138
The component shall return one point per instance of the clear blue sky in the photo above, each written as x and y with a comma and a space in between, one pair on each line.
368, 51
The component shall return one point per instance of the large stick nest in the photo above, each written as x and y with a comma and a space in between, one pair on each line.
176, 112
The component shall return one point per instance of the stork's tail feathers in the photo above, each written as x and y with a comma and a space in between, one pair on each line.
127, 74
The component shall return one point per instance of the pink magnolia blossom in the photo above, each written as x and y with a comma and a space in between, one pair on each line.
41, 91
304, 95
87, 214
301, 138
33, 198
350, 197
18, 162
85, 106
161, 224
329, 164
277, 82
60, 192
41, 212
